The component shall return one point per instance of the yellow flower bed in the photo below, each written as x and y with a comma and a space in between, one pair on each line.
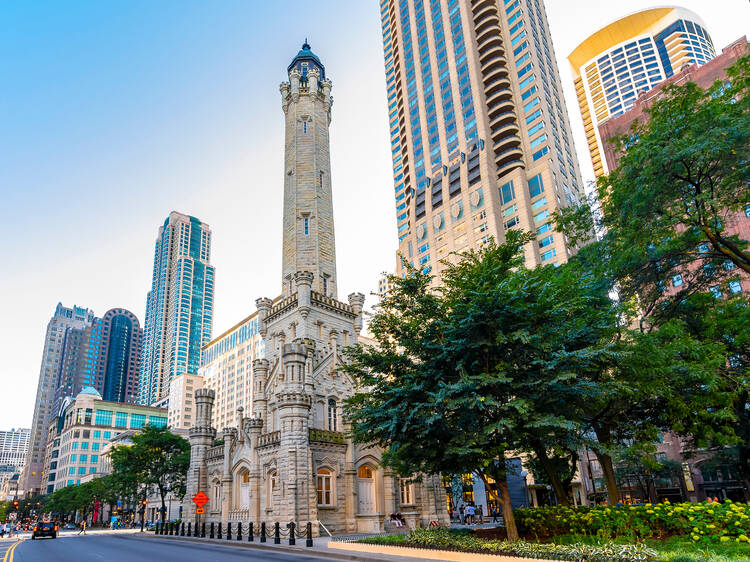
702, 522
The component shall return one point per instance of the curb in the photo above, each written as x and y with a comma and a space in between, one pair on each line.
278, 548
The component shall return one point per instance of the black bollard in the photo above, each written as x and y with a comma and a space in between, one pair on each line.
212, 531
182, 529
250, 537
229, 531
218, 532
160, 529
276, 533
189, 523
263, 532
203, 530
292, 539
239, 531
195, 531
171, 529
308, 542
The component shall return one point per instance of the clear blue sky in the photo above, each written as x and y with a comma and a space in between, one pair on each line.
112, 114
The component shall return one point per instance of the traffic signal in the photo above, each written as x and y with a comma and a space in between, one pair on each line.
15, 504
143, 503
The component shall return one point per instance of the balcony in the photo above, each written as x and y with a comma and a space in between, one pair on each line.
215, 453
268, 439
482, 8
485, 35
503, 133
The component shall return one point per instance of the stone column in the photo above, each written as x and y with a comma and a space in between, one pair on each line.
350, 484
229, 435
201, 437
264, 307
357, 302
303, 282
254, 428
294, 411
260, 401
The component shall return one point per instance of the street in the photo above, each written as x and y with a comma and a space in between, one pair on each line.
129, 548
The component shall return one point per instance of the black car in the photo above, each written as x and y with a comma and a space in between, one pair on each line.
44, 529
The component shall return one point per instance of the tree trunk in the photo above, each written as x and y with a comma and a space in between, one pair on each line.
554, 477
504, 499
510, 521
609, 476
163, 506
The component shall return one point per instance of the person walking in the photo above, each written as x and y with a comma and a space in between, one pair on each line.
461, 510
469, 514
83, 527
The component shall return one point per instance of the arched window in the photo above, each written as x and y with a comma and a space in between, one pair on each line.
365, 471
216, 495
333, 420
325, 487
273, 487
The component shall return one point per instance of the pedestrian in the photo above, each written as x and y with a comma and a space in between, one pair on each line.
480, 513
461, 511
83, 527
469, 514
494, 515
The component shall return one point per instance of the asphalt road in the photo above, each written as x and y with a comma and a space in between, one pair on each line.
131, 548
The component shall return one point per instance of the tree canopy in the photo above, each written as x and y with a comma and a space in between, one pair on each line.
669, 211
157, 459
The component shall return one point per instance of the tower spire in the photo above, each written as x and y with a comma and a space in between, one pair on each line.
309, 244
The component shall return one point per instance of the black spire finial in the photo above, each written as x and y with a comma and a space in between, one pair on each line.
305, 45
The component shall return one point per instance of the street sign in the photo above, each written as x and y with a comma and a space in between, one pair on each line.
200, 511
200, 499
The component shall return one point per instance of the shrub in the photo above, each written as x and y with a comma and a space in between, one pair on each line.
704, 523
451, 540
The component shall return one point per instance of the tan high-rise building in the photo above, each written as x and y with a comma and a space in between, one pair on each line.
226, 368
628, 56
480, 135
64, 322
181, 403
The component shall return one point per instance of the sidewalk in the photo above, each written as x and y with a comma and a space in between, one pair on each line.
319, 548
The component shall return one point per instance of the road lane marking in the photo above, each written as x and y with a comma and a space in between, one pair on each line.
9, 552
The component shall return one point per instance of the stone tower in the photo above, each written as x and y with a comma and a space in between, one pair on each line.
201, 437
308, 211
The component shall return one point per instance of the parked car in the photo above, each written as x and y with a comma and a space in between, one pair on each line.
44, 529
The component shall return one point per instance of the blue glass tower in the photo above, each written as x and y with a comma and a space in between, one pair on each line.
179, 306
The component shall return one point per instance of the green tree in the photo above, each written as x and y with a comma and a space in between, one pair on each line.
668, 207
466, 375
157, 458
640, 466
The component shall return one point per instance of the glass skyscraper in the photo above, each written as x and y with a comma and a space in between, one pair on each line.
480, 136
629, 56
179, 306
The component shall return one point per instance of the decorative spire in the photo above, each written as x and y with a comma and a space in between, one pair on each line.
305, 45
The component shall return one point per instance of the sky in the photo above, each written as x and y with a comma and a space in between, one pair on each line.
113, 114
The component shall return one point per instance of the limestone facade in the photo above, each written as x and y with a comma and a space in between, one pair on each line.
291, 457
